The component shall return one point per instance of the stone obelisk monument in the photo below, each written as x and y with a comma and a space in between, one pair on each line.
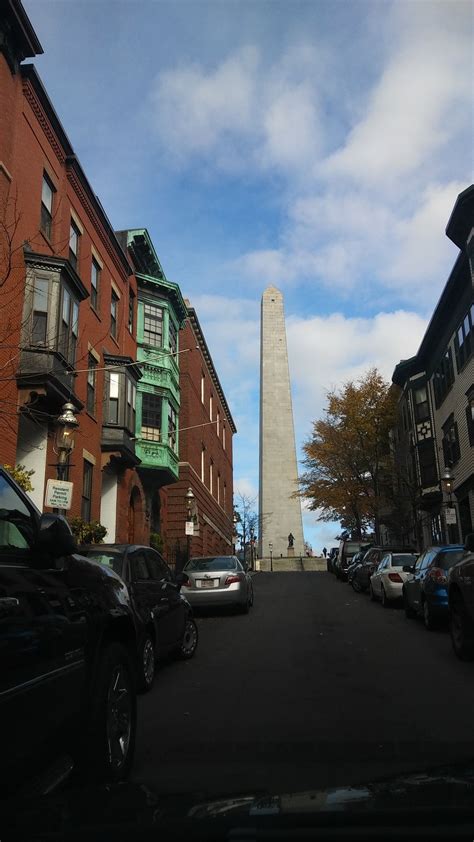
279, 512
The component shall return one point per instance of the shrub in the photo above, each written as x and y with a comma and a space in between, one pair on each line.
86, 532
156, 541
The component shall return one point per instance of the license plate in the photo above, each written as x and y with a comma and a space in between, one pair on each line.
207, 583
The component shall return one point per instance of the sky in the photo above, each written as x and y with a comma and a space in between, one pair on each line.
317, 146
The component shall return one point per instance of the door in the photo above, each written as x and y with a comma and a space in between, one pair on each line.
170, 605
139, 577
377, 577
421, 568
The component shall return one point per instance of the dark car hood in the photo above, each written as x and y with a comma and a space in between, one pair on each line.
444, 794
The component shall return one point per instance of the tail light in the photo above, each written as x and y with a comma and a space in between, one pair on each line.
437, 575
187, 582
395, 577
231, 579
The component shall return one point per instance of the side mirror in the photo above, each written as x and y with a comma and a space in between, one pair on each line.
181, 579
55, 538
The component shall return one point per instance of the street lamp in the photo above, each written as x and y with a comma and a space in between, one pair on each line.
270, 546
190, 522
252, 538
67, 425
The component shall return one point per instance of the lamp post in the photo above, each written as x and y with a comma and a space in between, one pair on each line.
67, 425
189, 522
252, 538
235, 535
270, 547
447, 484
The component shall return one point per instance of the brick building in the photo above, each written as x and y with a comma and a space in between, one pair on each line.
68, 298
205, 455
435, 430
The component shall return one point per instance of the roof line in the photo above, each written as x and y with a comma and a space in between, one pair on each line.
207, 356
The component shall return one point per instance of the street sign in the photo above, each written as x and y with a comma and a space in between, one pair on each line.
451, 515
58, 494
189, 527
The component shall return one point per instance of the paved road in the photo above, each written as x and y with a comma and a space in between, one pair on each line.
317, 686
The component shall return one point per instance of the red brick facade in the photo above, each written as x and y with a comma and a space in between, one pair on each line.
205, 447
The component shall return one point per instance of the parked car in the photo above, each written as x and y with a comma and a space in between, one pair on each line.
67, 639
425, 592
387, 582
360, 580
461, 602
164, 618
356, 561
217, 580
347, 551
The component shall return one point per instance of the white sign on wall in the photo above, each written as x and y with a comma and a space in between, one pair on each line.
58, 494
451, 515
189, 527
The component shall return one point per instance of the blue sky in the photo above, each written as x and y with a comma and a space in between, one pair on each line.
319, 146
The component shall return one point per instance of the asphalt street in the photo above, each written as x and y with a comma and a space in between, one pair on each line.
317, 686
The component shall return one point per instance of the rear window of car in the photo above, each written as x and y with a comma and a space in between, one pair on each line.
107, 559
446, 560
218, 563
403, 558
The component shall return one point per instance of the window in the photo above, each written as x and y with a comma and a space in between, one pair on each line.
422, 409
218, 425
151, 417
225, 494
68, 326
172, 427
91, 373
153, 325
470, 415
131, 310
139, 566
451, 449
113, 414
131, 405
202, 387
47, 194
114, 300
157, 567
203, 451
40, 312
210, 406
211, 475
74, 235
218, 488
86, 491
17, 526
463, 340
427, 463
173, 336
443, 378
223, 436
95, 276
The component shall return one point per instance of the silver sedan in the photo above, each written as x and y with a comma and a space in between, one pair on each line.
217, 580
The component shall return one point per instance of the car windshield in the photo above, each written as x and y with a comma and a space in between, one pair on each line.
446, 559
205, 564
108, 558
401, 559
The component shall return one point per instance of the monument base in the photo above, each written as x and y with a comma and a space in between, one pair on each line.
290, 553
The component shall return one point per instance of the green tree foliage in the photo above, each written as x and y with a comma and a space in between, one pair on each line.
348, 454
86, 532
21, 475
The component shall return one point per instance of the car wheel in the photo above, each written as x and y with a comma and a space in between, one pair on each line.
409, 612
428, 618
251, 597
355, 585
371, 592
385, 600
190, 640
107, 753
146, 665
462, 630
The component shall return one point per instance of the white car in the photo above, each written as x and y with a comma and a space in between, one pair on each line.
387, 582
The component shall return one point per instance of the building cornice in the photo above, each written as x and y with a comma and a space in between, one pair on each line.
196, 327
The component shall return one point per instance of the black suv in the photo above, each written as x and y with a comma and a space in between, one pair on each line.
67, 642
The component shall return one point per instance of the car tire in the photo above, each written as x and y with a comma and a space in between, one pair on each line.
251, 597
384, 598
409, 612
462, 630
355, 585
107, 752
428, 619
190, 640
146, 665
371, 593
